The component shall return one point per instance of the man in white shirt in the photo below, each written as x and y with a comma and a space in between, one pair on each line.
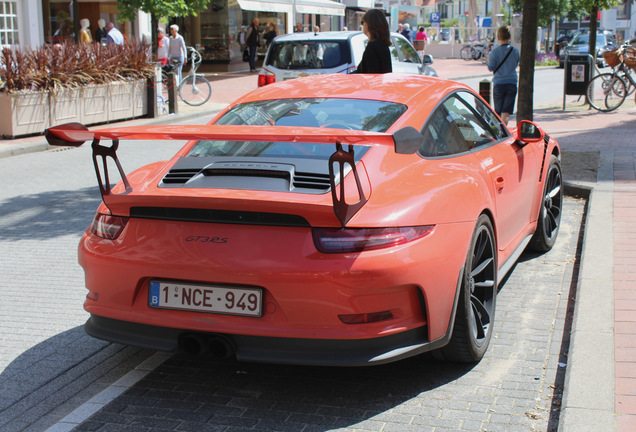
114, 36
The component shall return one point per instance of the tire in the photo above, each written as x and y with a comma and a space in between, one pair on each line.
467, 53
549, 219
606, 92
625, 74
195, 90
484, 56
475, 315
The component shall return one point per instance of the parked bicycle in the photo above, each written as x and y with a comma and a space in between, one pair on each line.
194, 89
477, 51
607, 91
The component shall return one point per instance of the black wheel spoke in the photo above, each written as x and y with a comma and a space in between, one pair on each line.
480, 268
481, 245
485, 284
480, 317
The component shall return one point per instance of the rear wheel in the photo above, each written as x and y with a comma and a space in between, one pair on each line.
195, 90
474, 318
467, 53
606, 92
550, 213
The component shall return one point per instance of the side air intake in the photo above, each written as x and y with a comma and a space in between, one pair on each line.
311, 181
179, 176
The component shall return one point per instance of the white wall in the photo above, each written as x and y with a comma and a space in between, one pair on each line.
30, 23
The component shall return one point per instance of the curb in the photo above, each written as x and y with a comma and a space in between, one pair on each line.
588, 403
9, 150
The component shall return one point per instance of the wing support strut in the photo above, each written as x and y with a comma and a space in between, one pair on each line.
103, 179
344, 212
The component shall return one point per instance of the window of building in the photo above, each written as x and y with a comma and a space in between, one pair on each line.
9, 23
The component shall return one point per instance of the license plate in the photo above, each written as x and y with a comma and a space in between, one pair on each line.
205, 298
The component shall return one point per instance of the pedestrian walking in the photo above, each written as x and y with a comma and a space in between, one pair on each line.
503, 63
163, 47
407, 32
377, 57
177, 49
421, 40
270, 35
114, 36
241, 38
252, 43
299, 28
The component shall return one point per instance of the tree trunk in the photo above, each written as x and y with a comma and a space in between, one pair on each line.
526, 62
154, 25
593, 27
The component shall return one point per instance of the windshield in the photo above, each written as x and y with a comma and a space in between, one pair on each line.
309, 54
585, 40
353, 114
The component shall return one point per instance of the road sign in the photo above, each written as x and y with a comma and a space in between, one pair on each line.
435, 17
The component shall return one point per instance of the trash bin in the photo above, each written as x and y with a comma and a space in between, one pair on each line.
577, 75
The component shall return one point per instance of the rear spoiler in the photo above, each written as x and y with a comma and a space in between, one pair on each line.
405, 141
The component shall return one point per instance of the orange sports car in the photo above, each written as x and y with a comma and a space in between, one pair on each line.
329, 220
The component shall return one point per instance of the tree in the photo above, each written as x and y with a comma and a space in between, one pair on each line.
159, 9
526, 60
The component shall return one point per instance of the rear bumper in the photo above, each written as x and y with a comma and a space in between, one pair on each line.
323, 352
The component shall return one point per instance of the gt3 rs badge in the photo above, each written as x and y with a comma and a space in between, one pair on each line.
203, 239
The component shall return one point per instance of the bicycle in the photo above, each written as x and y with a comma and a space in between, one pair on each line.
477, 51
194, 89
607, 91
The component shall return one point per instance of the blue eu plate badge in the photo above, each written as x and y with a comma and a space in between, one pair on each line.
154, 293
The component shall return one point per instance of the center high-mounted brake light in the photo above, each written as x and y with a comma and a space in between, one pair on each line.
108, 227
328, 240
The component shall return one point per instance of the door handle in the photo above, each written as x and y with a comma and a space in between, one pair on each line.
499, 184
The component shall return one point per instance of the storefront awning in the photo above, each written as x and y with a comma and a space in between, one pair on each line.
315, 7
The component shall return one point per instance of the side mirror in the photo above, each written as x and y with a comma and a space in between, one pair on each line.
428, 59
528, 132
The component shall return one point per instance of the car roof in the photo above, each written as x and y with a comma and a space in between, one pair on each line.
334, 35
397, 88
321, 36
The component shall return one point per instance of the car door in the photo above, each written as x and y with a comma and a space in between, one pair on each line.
513, 169
405, 58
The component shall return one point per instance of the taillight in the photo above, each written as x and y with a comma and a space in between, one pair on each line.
108, 227
266, 77
328, 240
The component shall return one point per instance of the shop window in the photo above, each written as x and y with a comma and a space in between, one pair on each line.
9, 23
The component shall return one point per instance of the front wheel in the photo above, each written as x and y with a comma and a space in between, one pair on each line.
550, 213
475, 315
467, 53
606, 92
195, 90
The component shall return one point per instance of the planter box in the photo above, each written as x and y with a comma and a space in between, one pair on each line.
120, 103
28, 113
94, 101
65, 107
24, 113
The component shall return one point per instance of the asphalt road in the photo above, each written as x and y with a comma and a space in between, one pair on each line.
49, 367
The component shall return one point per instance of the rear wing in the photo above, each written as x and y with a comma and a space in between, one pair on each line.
405, 141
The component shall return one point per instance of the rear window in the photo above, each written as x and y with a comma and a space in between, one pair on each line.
309, 54
354, 114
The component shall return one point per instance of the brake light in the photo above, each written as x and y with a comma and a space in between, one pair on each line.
108, 227
328, 240
265, 78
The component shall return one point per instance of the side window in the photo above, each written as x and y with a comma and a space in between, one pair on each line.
408, 52
394, 51
472, 127
442, 137
489, 117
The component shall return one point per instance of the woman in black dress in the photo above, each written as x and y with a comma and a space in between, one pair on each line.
377, 57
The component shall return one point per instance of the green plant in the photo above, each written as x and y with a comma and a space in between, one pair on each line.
56, 67
546, 60
449, 22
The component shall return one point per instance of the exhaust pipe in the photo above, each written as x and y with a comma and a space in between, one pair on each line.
193, 344
220, 347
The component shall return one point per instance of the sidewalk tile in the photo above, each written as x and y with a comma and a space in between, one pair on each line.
626, 386
626, 423
625, 369
626, 404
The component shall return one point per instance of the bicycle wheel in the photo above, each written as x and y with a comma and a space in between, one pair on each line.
467, 53
195, 90
484, 56
606, 92
627, 75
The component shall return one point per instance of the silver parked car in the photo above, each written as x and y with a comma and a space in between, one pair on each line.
303, 54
